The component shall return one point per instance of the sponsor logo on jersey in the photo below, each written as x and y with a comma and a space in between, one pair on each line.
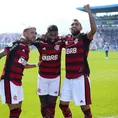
71, 50
10, 44
49, 57
13, 46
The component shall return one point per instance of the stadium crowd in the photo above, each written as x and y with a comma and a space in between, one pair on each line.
104, 34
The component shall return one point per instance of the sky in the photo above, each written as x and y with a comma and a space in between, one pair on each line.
15, 15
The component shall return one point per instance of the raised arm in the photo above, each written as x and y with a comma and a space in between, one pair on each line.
3, 53
92, 22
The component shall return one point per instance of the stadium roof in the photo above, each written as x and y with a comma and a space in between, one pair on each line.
102, 9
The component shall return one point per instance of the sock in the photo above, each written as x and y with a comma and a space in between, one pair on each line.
43, 110
50, 111
15, 113
87, 113
66, 111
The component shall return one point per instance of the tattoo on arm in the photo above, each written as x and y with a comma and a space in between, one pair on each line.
92, 25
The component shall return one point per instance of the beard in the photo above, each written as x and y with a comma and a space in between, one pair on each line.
51, 41
75, 32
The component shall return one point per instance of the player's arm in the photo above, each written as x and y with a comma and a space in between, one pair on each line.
3, 53
10, 46
92, 22
36, 43
28, 66
31, 66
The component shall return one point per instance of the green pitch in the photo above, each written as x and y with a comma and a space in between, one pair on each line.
104, 88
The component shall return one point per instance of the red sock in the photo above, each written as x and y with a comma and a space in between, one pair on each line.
87, 113
50, 112
43, 110
15, 113
66, 111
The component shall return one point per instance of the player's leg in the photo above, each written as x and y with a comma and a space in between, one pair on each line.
87, 111
64, 106
12, 95
107, 54
54, 89
44, 104
66, 97
81, 94
15, 110
50, 113
42, 92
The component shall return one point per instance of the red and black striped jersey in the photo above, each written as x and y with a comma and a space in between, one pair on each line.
16, 59
76, 56
50, 54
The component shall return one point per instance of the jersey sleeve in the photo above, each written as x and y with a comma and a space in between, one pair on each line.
11, 46
86, 38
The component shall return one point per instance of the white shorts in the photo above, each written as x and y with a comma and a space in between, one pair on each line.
77, 90
10, 93
48, 86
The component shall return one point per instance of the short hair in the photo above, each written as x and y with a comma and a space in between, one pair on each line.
75, 20
27, 28
52, 28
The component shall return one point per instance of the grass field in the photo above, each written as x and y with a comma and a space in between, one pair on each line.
104, 88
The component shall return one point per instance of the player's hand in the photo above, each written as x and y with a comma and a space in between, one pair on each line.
87, 8
39, 63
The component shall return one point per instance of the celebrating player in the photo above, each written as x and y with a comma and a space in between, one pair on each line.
49, 46
76, 85
17, 55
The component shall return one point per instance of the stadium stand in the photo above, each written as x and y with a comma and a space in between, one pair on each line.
106, 18
6, 38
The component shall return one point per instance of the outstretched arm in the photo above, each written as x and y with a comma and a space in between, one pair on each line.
28, 66
2, 53
92, 22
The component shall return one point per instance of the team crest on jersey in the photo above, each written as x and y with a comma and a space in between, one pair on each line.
23, 50
76, 41
56, 47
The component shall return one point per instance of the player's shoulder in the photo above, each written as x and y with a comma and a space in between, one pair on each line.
12, 43
43, 38
62, 38
83, 35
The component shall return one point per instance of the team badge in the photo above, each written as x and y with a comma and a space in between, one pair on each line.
56, 47
76, 41
15, 97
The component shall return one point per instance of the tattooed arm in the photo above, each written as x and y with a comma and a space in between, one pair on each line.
92, 22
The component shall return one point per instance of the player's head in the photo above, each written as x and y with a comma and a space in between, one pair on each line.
30, 34
52, 33
75, 27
